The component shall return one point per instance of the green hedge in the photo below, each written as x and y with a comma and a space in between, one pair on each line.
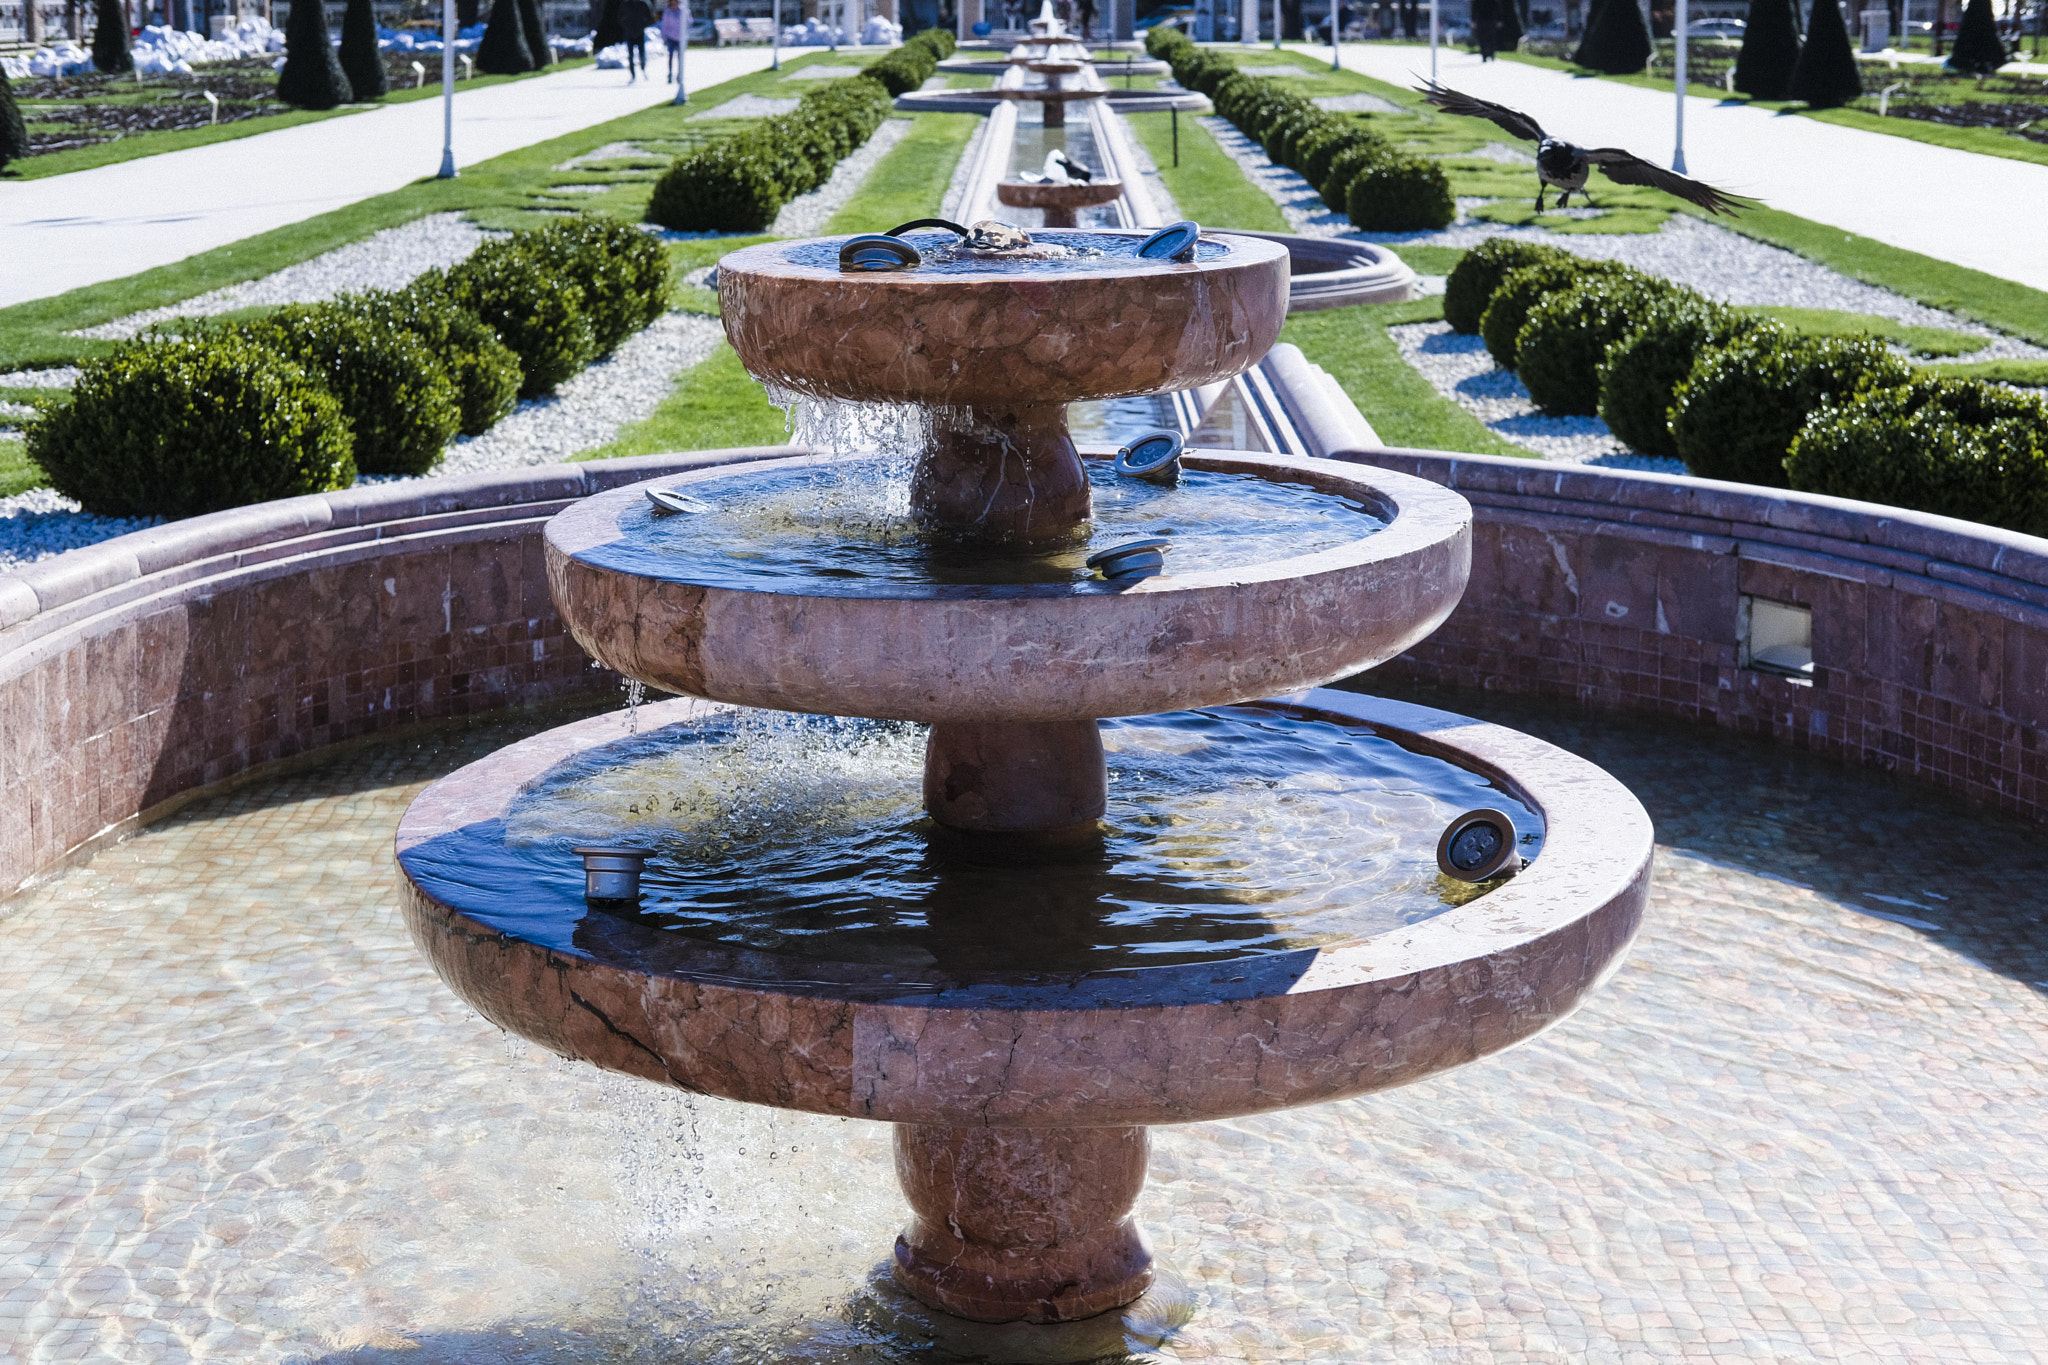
1737, 412
484, 371
1356, 171
540, 318
1479, 272
1519, 292
1643, 370
622, 271
176, 427
1561, 347
740, 184
400, 404
1955, 447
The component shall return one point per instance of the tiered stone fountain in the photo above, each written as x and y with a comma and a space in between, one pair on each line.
1021, 1082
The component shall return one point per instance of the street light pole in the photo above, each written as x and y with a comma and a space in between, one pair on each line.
1432, 39
447, 171
1679, 33
775, 52
1336, 53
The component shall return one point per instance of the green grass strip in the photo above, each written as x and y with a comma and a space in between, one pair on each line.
132, 147
1353, 345
1207, 184
714, 404
1829, 322
2026, 374
910, 182
18, 473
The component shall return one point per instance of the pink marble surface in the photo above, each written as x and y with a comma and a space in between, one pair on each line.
1044, 653
1127, 1047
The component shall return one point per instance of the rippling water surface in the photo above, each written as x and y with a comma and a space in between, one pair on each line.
241, 1121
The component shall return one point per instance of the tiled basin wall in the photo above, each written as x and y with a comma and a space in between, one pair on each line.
1930, 636
137, 672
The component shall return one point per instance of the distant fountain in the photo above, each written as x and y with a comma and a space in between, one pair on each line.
1093, 925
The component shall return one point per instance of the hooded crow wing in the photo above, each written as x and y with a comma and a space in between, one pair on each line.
1511, 121
1626, 168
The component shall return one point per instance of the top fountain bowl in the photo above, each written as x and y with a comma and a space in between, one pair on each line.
1006, 334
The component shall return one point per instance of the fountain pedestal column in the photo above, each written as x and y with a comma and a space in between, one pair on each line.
1045, 779
1022, 1224
1002, 473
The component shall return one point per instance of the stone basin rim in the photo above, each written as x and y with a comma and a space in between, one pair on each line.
1512, 963
768, 258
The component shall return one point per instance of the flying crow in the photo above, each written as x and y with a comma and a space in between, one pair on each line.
1560, 164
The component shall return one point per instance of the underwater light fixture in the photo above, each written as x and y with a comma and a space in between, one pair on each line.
878, 251
1477, 845
1153, 456
667, 502
611, 872
1132, 559
1175, 242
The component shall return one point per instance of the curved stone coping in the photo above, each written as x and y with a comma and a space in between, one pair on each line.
1006, 335
1030, 652
1624, 590
980, 101
1337, 272
1131, 1046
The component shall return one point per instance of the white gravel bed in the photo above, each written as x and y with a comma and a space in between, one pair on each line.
390, 259
748, 106
822, 73
14, 414
1459, 368
43, 522
57, 377
1719, 263
591, 409
611, 151
807, 214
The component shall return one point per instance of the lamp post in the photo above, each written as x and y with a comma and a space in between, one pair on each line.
1336, 53
775, 52
1276, 25
1678, 34
1432, 39
447, 171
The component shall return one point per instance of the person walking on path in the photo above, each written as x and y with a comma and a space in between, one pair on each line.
675, 23
635, 18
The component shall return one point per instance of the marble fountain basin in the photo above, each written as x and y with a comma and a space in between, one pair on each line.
1001, 331
1023, 651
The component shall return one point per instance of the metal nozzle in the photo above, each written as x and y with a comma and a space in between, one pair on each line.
612, 872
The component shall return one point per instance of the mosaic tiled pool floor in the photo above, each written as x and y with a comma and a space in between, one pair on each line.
240, 1121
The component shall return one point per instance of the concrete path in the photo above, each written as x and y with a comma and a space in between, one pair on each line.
113, 221
1983, 212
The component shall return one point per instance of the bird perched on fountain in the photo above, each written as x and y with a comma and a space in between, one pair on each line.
1563, 166
1060, 166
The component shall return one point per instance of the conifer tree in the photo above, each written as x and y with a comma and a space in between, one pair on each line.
1616, 40
110, 38
312, 77
536, 33
503, 49
1770, 49
361, 62
13, 132
1509, 36
1826, 75
1978, 51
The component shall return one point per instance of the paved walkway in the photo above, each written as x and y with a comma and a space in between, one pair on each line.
113, 221
1978, 211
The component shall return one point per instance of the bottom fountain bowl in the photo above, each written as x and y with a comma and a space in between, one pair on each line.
1022, 1074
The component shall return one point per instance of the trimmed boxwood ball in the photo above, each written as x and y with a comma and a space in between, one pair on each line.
740, 184
398, 398
1954, 447
1735, 415
1347, 165
1319, 162
1518, 293
540, 318
1560, 348
177, 427
1479, 272
904, 69
1644, 368
484, 371
622, 271
1400, 194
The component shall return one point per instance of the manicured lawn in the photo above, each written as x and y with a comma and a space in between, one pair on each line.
1207, 184
1353, 345
714, 405
1921, 341
513, 190
131, 146
18, 473
911, 180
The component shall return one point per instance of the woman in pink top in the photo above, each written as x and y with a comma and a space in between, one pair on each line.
675, 22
